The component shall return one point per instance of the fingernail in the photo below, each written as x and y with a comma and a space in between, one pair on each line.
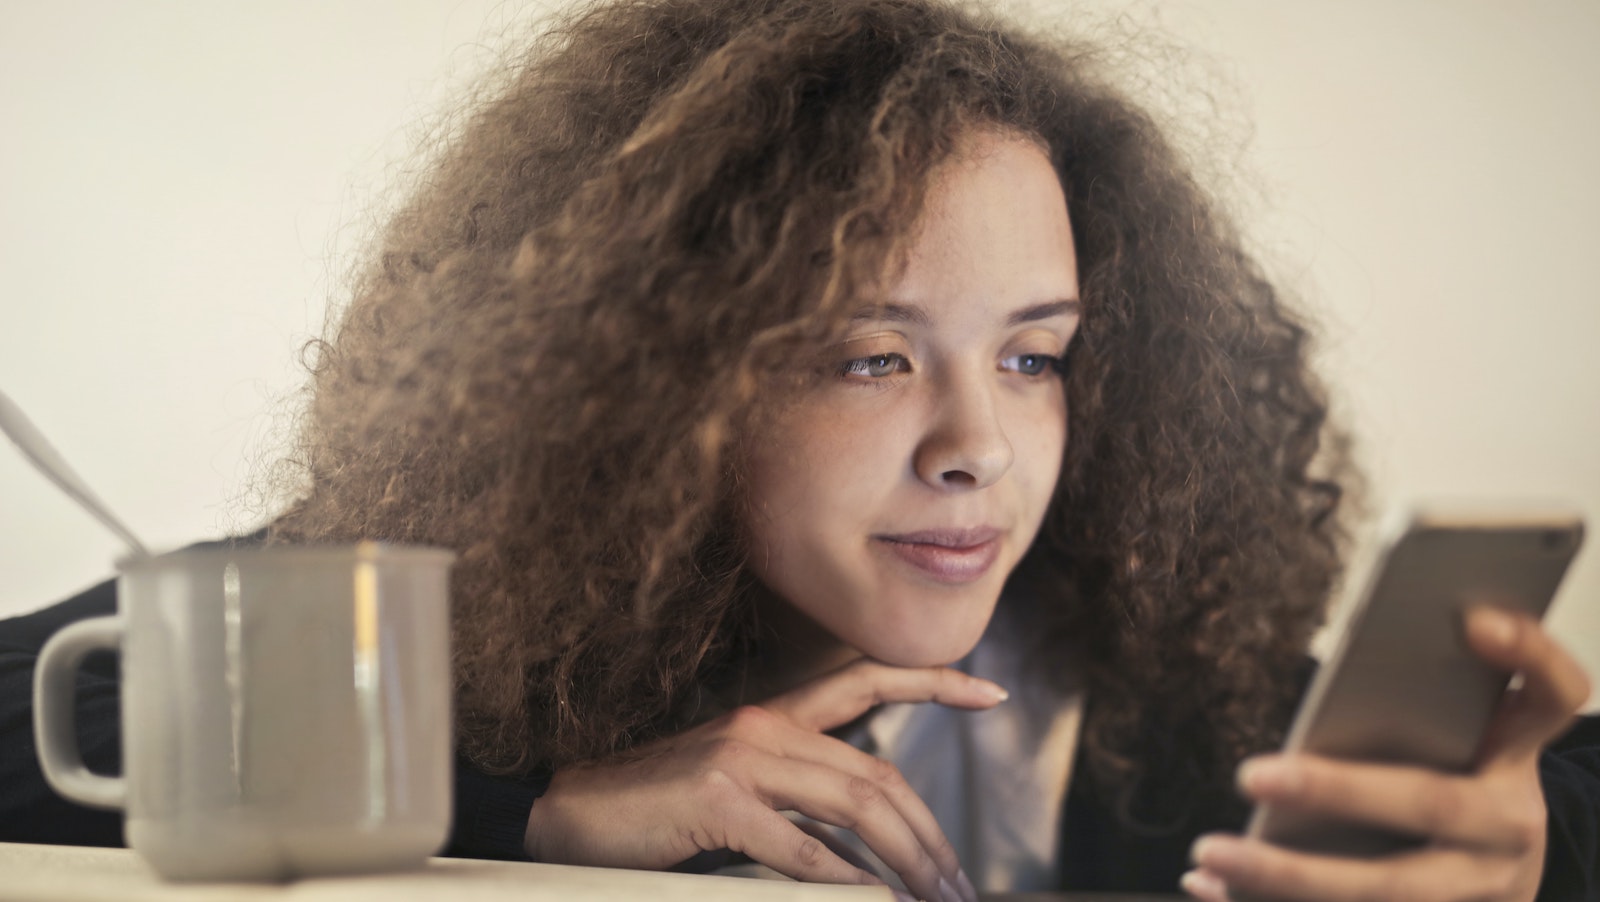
1264, 775
1495, 625
992, 689
968, 891
1203, 885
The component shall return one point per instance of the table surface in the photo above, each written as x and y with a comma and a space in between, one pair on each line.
41, 873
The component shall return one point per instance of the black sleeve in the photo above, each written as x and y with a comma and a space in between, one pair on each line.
491, 814
1570, 773
30, 811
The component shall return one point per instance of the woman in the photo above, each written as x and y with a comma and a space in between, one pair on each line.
761, 358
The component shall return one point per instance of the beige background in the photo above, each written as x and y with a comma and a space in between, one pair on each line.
180, 185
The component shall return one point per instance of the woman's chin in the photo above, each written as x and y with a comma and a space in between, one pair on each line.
918, 635
909, 650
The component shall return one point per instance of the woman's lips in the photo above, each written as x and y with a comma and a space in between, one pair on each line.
952, 556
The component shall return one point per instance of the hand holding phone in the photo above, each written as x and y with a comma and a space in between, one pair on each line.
1403, 687
1409, 728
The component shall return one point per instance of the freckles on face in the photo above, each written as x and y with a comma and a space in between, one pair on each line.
889, 500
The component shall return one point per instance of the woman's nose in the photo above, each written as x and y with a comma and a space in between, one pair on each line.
965, 446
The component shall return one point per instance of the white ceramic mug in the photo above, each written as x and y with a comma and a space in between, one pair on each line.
285, 710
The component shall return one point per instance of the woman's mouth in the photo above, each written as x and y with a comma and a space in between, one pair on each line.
953, 556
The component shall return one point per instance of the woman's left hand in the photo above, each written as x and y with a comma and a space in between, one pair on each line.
1487, 828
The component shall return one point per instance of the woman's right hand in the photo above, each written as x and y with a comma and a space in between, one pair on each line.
721, 785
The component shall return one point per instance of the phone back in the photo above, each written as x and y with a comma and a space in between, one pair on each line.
1403, 687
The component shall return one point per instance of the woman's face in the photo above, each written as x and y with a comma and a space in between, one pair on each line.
889, 501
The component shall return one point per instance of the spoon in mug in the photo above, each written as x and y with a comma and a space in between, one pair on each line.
44, 458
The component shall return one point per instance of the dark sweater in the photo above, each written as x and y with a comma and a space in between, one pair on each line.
1099, 852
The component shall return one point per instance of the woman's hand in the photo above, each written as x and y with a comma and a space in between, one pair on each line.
721, 785
1487, 828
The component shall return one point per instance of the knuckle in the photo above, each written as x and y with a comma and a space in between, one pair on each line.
863, 792
867, 680
748, 720
861, 673
1316, 783
885, 773
720, 778
1528, 824
810, 853
948, 679
943, 852
719, 787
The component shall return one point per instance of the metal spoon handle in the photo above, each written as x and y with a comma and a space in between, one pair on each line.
16, 425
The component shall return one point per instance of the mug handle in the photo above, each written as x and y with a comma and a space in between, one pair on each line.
54, 724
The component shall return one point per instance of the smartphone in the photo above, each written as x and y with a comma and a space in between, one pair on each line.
1402, 686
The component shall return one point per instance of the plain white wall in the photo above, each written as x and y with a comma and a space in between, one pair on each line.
180, 181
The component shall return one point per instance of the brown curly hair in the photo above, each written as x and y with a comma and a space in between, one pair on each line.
549, 359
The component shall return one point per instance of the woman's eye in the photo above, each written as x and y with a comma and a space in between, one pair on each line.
1033, 364
875, 367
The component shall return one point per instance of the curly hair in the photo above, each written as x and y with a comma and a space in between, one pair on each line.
549, 359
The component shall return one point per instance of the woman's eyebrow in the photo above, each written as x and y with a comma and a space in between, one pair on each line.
891, 312
1064, 307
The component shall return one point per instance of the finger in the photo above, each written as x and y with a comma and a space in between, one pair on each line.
870, 798
853, 690
1554, 685
1464, 810
787, 761
831, 839
841, 757
862, 807
767, 837
1259, 868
